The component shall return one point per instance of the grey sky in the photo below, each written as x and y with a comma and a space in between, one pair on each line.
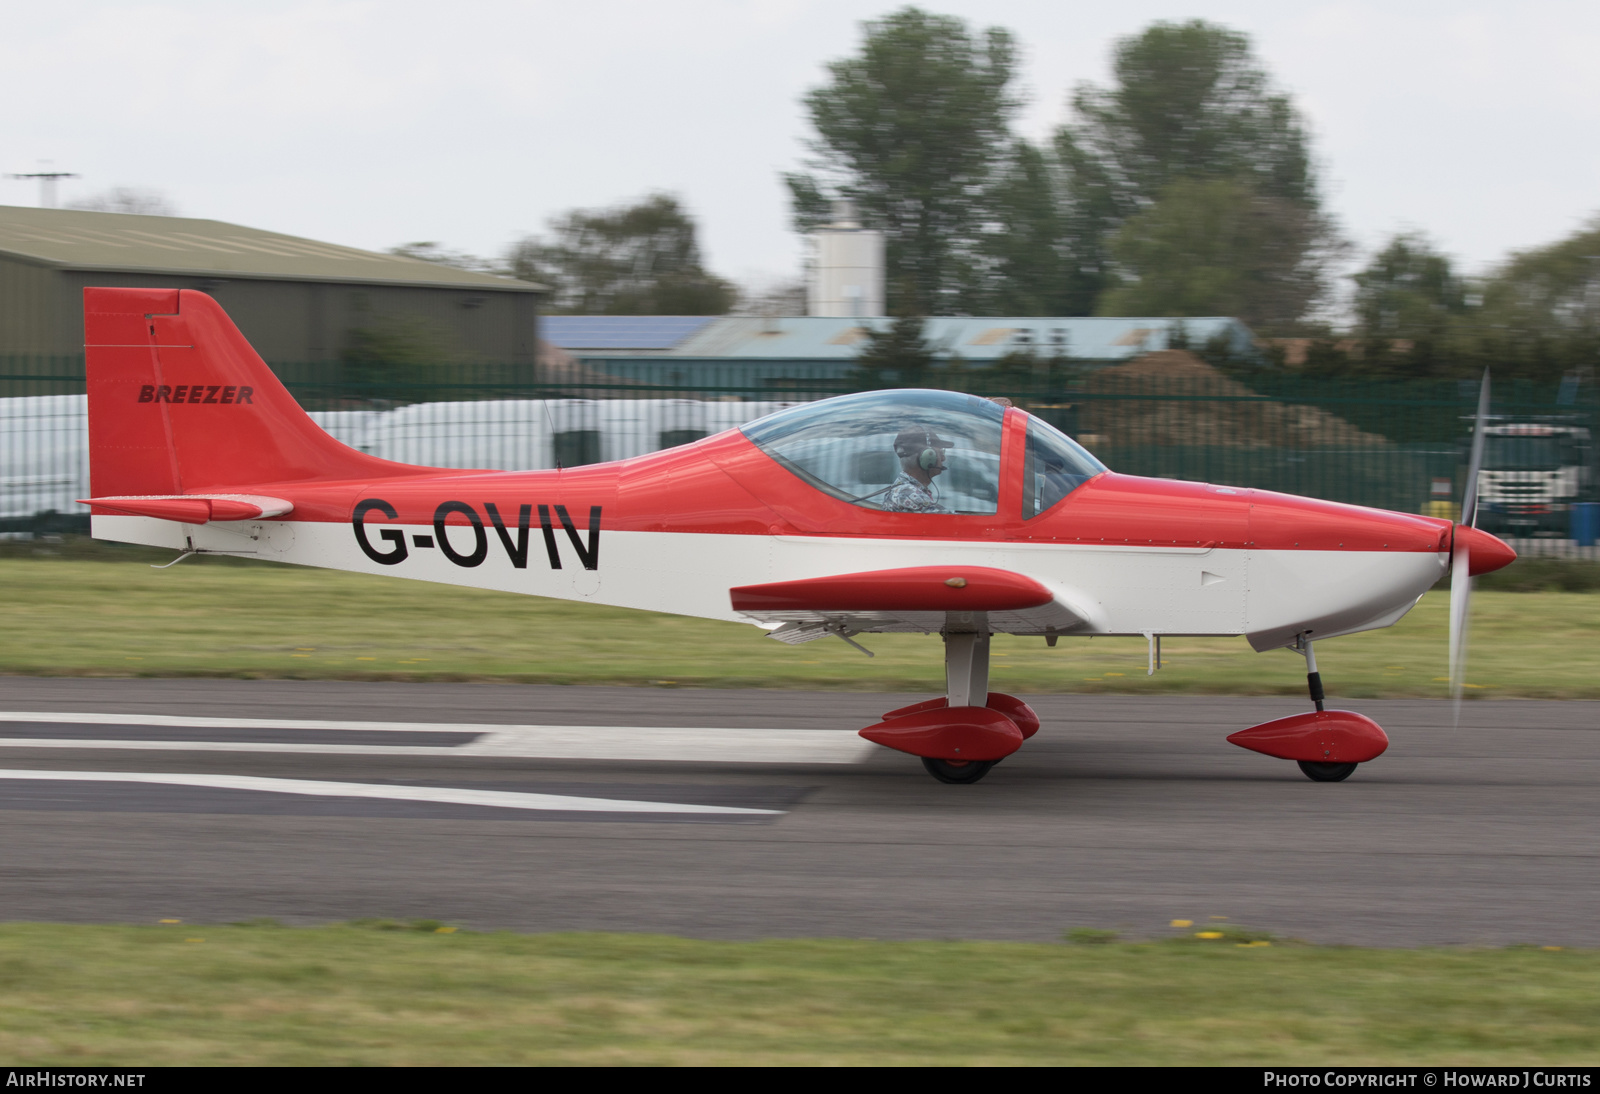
470, 123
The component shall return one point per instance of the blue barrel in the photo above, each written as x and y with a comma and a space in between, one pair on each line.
1585, 522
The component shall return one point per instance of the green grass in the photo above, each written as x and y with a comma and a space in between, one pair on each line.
90, 617
147, 996
96, 618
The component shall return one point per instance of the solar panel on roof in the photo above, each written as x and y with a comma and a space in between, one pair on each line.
620, 331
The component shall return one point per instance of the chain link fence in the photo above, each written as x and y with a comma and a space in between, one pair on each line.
1397, 445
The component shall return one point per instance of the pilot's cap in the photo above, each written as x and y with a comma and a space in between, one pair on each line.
910, 442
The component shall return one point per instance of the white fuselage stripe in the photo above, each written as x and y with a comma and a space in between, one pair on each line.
1269, 595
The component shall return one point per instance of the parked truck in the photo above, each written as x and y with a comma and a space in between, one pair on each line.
1533, 473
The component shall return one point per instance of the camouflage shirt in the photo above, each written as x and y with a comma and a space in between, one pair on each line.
907, 495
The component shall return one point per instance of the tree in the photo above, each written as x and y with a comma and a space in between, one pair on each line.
898, 356
441, 255
1408, 291
1219, 247
1190, 103
128, 199
1031, 268
639, 259
1540, 311
909, 129
769, 296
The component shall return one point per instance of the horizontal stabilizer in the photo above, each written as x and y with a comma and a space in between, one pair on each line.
194, 508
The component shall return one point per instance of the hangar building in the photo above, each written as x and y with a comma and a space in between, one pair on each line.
823, 344
772, 350
296, 300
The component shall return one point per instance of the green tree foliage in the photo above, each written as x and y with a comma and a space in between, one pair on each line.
897, 356
1219, 247
1190, 101
910, 128
1536, 317
387, 351
1542, 308
1408, 290
441, 255
640, 259
1192, 121
1031, 267
915, 129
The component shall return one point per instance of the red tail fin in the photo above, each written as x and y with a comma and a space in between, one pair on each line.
179, 402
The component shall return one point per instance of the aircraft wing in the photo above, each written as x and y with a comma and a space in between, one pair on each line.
918, 599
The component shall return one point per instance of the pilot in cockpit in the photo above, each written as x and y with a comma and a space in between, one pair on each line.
922, 459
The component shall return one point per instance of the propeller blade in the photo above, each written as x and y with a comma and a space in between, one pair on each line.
1469, 496
1461, 555
1460, 605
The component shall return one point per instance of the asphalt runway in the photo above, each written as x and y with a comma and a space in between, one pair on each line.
572, 808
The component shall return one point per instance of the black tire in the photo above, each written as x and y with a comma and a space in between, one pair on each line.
1327, 773
958, 771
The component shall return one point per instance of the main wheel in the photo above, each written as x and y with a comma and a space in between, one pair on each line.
1326, 773
958, 771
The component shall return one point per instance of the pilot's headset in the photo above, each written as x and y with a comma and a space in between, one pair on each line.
928, 458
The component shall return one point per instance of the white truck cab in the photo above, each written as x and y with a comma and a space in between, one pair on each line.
1532, 473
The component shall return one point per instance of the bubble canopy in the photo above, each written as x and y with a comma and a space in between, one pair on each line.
913, 451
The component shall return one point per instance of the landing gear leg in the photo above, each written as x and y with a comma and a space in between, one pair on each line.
1319, 772
1313, 677
966, 684
966, 662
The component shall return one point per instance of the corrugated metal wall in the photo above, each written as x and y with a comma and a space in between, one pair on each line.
41, 313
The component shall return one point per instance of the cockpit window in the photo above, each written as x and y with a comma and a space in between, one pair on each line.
1055, 466
908, 451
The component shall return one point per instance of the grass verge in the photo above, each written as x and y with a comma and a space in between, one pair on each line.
92, 617
132, 996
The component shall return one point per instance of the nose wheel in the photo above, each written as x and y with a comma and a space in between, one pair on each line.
1327, 744
1327, 773
957, 771
960, 736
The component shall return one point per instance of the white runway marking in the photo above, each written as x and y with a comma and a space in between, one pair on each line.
499, 799
652, 743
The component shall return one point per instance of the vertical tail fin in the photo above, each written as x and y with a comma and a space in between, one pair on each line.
179, 402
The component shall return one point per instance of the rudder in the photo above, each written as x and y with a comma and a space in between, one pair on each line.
180, 402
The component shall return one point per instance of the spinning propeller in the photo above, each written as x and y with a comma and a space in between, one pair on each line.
1461, 568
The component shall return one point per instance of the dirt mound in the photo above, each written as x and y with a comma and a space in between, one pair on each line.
1171, 397
557, 366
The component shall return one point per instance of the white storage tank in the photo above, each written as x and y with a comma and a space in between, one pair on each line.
846, 268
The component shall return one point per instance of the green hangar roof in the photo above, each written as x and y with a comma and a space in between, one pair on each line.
71, 239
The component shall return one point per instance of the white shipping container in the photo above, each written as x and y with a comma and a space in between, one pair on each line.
44, 440
44, 455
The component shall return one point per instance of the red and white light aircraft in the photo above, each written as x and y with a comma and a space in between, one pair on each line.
910, 511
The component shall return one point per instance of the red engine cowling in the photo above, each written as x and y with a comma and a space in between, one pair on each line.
949, 733
1020, 713
1317, 736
